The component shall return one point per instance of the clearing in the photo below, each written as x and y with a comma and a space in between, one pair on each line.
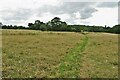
30, 53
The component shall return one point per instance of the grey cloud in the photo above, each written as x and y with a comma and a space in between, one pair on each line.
85, 9
108, 4
71, 21
86, 13
15, 15
118, 4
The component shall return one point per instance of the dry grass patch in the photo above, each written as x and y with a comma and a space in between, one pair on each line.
100, 59
34, 53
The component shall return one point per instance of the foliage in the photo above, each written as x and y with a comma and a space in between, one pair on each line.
57, 25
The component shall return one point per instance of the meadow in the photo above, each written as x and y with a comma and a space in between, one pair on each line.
37, 54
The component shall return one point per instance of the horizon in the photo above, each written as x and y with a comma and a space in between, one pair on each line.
64, 21
74, 13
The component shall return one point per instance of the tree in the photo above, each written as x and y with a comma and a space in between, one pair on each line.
30, 24
116, 29
49, 26
63, 26
55, 23
1, 25
37, 25
43, 27
55, 19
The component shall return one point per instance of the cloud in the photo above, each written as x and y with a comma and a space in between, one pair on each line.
84, 8
108, 4
15, 15
25, 11
105, 16
87, 12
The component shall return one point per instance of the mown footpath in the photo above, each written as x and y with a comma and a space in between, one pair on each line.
70, 64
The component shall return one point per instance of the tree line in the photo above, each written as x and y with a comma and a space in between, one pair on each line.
57, 25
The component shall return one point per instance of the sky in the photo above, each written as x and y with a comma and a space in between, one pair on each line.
94, 12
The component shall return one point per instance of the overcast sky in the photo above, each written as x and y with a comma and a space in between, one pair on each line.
22, 12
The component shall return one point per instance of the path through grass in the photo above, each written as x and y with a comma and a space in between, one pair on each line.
100, 58
31, 53
70, 65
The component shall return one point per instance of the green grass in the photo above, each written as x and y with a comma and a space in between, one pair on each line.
70, 64
30, 53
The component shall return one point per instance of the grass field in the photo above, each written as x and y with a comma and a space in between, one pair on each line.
30, 53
